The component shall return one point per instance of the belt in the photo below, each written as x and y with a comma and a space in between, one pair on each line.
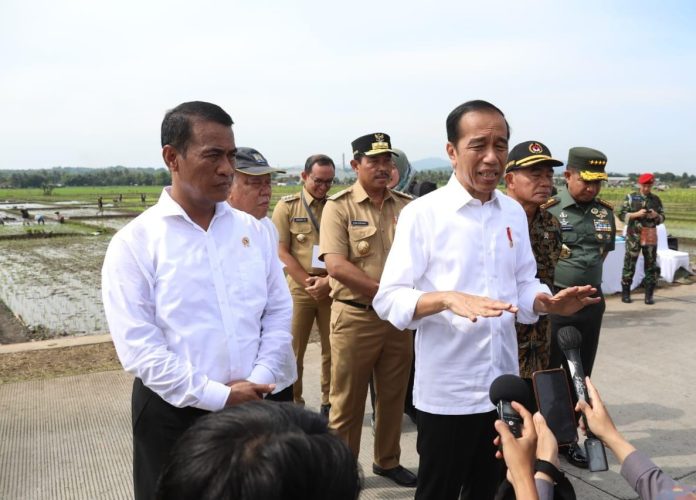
314, 275
364, 307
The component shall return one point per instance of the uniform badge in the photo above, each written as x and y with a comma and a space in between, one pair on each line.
594, 211
565, 251
301, 238
245, 241
363, 247
535, 148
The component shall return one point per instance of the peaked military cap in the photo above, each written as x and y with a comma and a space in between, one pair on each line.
528, 154
251, 162
589, 162
373, 144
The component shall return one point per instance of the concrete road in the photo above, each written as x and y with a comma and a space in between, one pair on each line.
69, 438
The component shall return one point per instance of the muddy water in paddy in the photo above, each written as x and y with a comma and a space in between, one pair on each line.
55, 283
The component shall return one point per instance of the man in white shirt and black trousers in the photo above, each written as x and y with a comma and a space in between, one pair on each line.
470, 270
194, 294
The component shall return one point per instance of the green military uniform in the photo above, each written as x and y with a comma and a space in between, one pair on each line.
633, 203
295, 217
587, 232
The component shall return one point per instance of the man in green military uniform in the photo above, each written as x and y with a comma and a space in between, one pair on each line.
587, 233
529, 181
642, 212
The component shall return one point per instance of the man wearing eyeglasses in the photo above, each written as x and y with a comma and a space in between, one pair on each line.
297, 218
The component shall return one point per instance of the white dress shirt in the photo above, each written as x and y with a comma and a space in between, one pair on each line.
446, 241
191, 310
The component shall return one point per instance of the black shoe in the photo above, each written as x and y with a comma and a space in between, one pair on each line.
649, 294
626, 294
576, 456
324, 410
400, 475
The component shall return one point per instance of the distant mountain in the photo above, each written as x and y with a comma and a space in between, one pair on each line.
431, 164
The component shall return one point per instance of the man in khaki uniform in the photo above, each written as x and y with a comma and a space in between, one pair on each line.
297, 218
357, 231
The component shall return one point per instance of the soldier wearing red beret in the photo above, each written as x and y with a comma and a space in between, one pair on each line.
642, 212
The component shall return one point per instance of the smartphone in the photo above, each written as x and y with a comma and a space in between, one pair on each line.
555, 404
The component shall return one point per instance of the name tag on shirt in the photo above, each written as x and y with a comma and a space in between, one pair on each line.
300, 219
359, 223
315, 258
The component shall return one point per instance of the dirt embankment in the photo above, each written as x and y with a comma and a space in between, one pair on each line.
11, 329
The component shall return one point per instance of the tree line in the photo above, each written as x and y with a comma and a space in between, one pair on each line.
78, 176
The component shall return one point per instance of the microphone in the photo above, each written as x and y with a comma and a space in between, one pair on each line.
504, 390
569, 341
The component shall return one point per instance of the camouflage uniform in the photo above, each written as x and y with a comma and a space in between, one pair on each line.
633, 203
535, 340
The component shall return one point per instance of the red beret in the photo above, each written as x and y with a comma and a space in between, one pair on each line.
646, 179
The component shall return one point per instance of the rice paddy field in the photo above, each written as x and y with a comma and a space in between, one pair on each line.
50, 274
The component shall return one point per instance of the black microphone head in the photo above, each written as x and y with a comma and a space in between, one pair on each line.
569, 338
509, 388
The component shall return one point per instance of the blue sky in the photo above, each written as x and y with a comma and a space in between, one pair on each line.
86, 83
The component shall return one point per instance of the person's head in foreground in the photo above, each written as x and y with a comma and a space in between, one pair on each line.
260, 450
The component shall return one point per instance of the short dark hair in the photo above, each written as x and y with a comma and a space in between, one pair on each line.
263, 450
455, 117
177, 128
319, 159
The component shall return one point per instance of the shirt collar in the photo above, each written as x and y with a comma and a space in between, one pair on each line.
360, 195
457, 196
566, 199
311, 199
168, 207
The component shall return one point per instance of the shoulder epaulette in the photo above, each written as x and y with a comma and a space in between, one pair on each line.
604, 203
290, 197
341, 193
403, 195
551, 202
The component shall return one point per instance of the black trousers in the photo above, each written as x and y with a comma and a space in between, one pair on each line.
156, 427
589, 321
457, 456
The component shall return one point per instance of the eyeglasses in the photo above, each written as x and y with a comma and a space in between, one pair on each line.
322, 182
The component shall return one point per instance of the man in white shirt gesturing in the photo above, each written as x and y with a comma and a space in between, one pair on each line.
194, 295
461, 265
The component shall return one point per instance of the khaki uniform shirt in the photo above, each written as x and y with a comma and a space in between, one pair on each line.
535, 340
353, 227
587, 231
296, 229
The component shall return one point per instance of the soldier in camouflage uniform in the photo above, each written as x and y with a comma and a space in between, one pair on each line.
529, 180
642, 212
